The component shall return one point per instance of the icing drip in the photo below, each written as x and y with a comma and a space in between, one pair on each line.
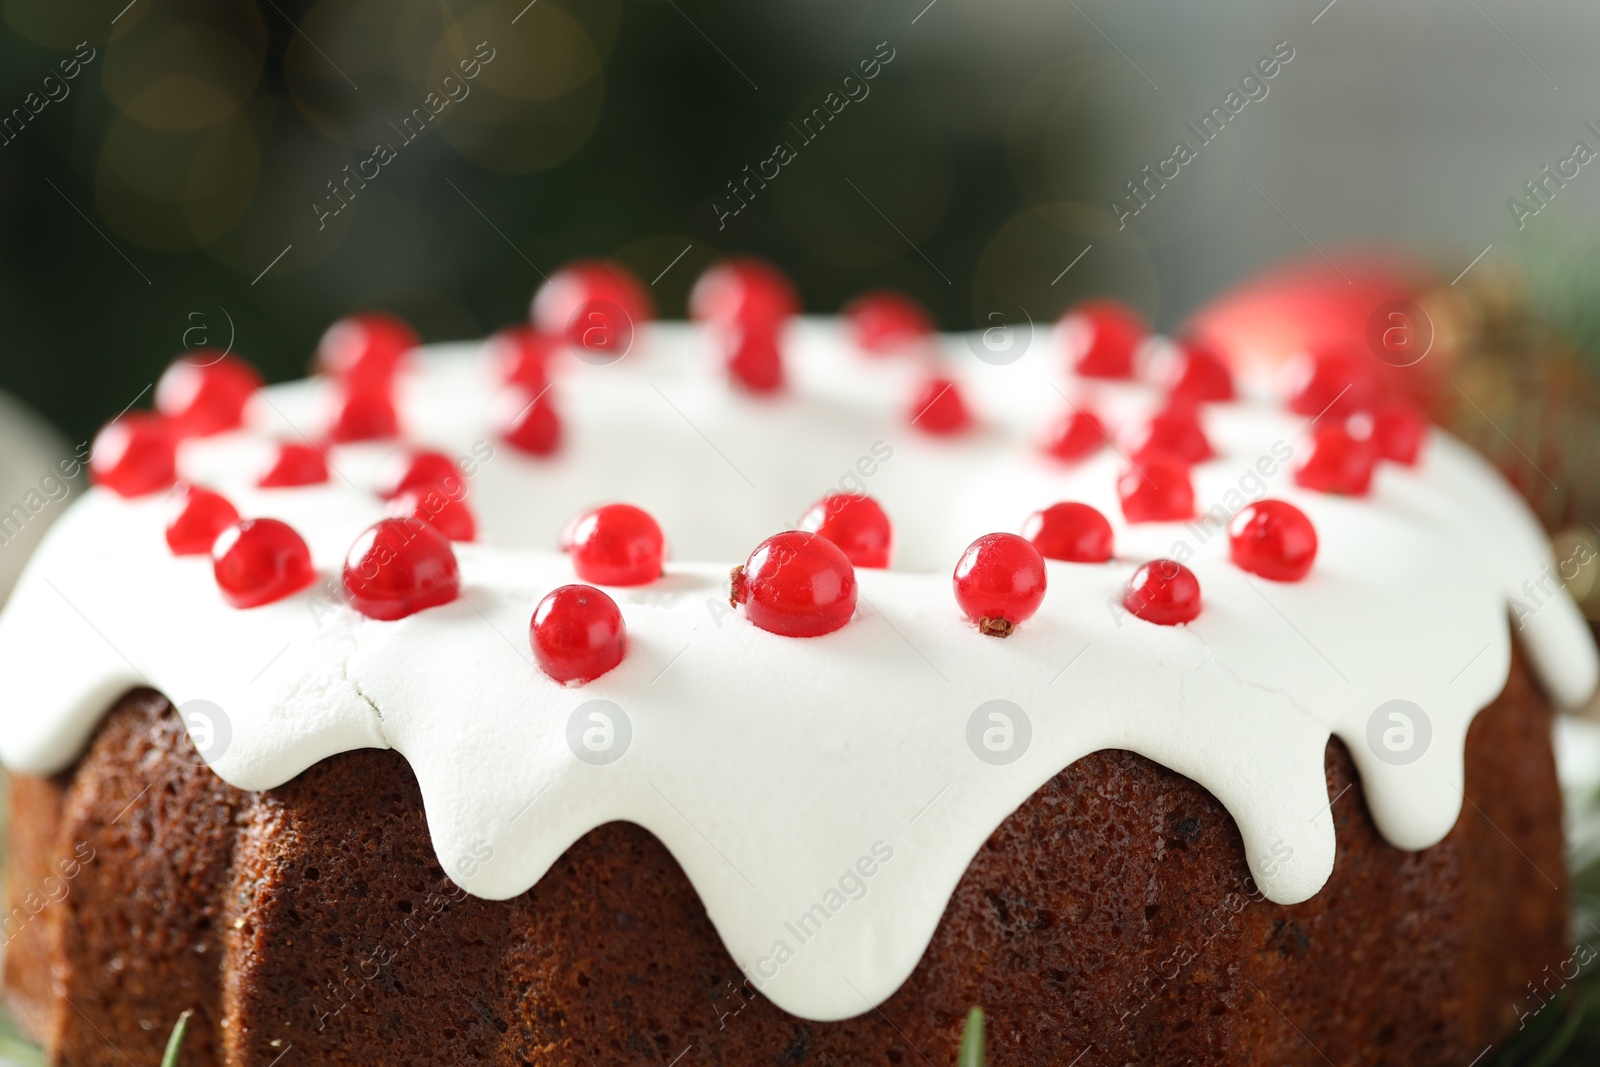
822, 795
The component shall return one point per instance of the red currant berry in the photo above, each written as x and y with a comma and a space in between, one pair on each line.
1073, 532
436, 506
365, 350
364, 414
595, 304
196, 517
522, 356
743, 292
536, 429
854, 522
618, 544
1000, 582
938, 408
1274, 539
1335, 380
1164, 592
577, 634
1335, 460
1156, 488
398, 567
207, 396
295, 464
1075, 436
134, 455
411, 469
884, 321
1190, 369
1398, 430
1175, 431
257, 561
1100, 337
754, 362
796, 584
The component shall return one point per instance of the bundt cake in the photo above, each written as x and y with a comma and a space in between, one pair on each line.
406, 715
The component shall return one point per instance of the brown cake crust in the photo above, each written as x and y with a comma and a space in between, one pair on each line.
1111, 918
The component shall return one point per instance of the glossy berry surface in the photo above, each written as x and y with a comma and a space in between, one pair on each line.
363, 414
439, 507
755, 363
884, 321
1190, 369
1398, 430
1274, 539
295, 464
206, 393
796, 584
617, 544
536, 428
939, 409
596, 305
745, 292
1000, 582
365, 350
1075, 436
1337, 381
856, 523
258, 561
421, 468
1076, 533
398, 567
196, 517
1164, 592
1336, 460
134, 455
1100, 338
577, 634
1156, 488
1176, 430
522, 356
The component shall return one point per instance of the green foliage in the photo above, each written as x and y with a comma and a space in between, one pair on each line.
972, 1040
175, 1042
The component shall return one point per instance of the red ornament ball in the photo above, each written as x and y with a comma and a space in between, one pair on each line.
1175, 430
1398, 430
536, 428
796, 584
398, 567
258, 561
1100, 338
522, 356
597, 305
364, 413
1164, 592
195, 519
743, 292
1274, 539
1337, 381
295, 464
439, 506
1075, 436
854, 522
421, 468
367, 349
1000, 582
617, 544
134, 455
1076, 533
938, 409
206, 392
755, 363
1337, 460
577, 634
1190, 369
1156, 488
884, 321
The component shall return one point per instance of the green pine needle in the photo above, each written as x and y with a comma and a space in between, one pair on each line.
175, 1042
972, 1040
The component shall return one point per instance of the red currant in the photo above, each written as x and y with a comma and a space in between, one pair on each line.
258, 561
743, 291
536, 429
577, 634
796, 584
754, 362
134, 455
196, 517
1100, 338
854, 522
1335, 460
398, 567
1398, 430
365, 350
204, 398
364, 414
1274, 539
411, 469
1176, 431
522, 356
1073, 532
1000, 582
295, 464
1156, 488
438, 507
1164, 592
939, 409
1190, 369
1334, 380
1075, 436
617, 544
595, 304
886, 321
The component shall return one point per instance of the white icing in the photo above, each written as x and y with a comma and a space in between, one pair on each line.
771, 766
